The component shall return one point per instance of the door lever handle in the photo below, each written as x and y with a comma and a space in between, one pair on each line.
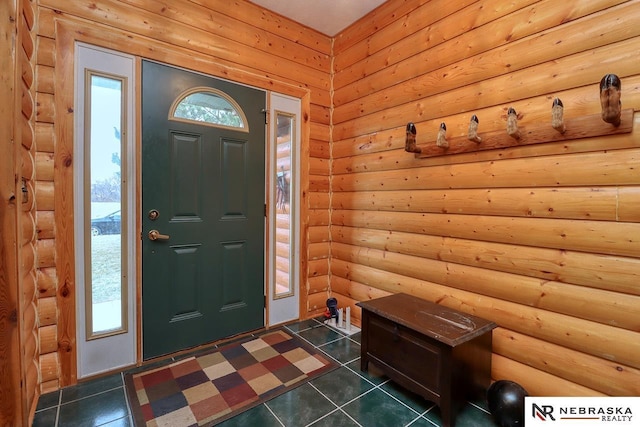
155, 235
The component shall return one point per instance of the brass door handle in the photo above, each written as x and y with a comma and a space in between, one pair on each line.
155, 235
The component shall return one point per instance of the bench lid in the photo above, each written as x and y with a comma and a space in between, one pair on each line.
442, 323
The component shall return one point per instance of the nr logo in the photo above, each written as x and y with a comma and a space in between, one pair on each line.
544, 412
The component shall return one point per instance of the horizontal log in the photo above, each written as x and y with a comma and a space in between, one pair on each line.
589, 371
319, 201
124, 41
318, 166
262, 18
535, 381
47, 311
48, 339
46, 79
142, 23
318, 234
583, 169
45, 224
597, 237
356, 59
319, 148
499, 52
617, 274
319, 267
49, 368
46, 280
45, 48
319, 131
383, 16
319, 284
45, 137
317, 251
355, 290
45, 195
317, 217
321, 114
609, 308
543, 80
49, 386
607, 342
585, 203
317, 302
46, 109
235, 26
46, 249
318, 183
628, 204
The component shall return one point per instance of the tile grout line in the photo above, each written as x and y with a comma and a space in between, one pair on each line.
273, 413
338, 408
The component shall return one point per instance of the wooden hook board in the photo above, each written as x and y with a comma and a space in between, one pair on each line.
576, 128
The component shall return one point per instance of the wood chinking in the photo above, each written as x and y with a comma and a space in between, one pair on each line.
442, 354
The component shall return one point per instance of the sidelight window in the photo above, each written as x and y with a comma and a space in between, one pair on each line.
105, 253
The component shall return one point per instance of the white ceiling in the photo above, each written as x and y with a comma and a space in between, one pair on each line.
327, 16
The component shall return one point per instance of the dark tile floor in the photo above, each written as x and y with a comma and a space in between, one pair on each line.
343, 397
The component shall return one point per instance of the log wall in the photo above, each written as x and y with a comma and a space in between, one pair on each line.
542, 239
19, 342
233, 40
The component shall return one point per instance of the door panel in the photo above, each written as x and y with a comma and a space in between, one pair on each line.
203, 278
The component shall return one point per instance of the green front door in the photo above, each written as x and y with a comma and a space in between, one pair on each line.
203, 192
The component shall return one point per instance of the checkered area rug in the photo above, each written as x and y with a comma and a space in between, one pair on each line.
209, 388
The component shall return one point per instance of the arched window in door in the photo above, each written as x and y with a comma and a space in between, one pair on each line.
208, 106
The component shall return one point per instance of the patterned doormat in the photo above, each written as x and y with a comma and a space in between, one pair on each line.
211, 387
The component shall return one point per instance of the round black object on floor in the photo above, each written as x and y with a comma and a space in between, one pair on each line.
506, 403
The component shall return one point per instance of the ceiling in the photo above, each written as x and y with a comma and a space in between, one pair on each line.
327, 16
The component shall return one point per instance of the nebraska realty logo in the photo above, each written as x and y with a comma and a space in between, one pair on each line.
581, 411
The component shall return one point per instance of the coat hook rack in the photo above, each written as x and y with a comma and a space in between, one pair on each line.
536, 133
